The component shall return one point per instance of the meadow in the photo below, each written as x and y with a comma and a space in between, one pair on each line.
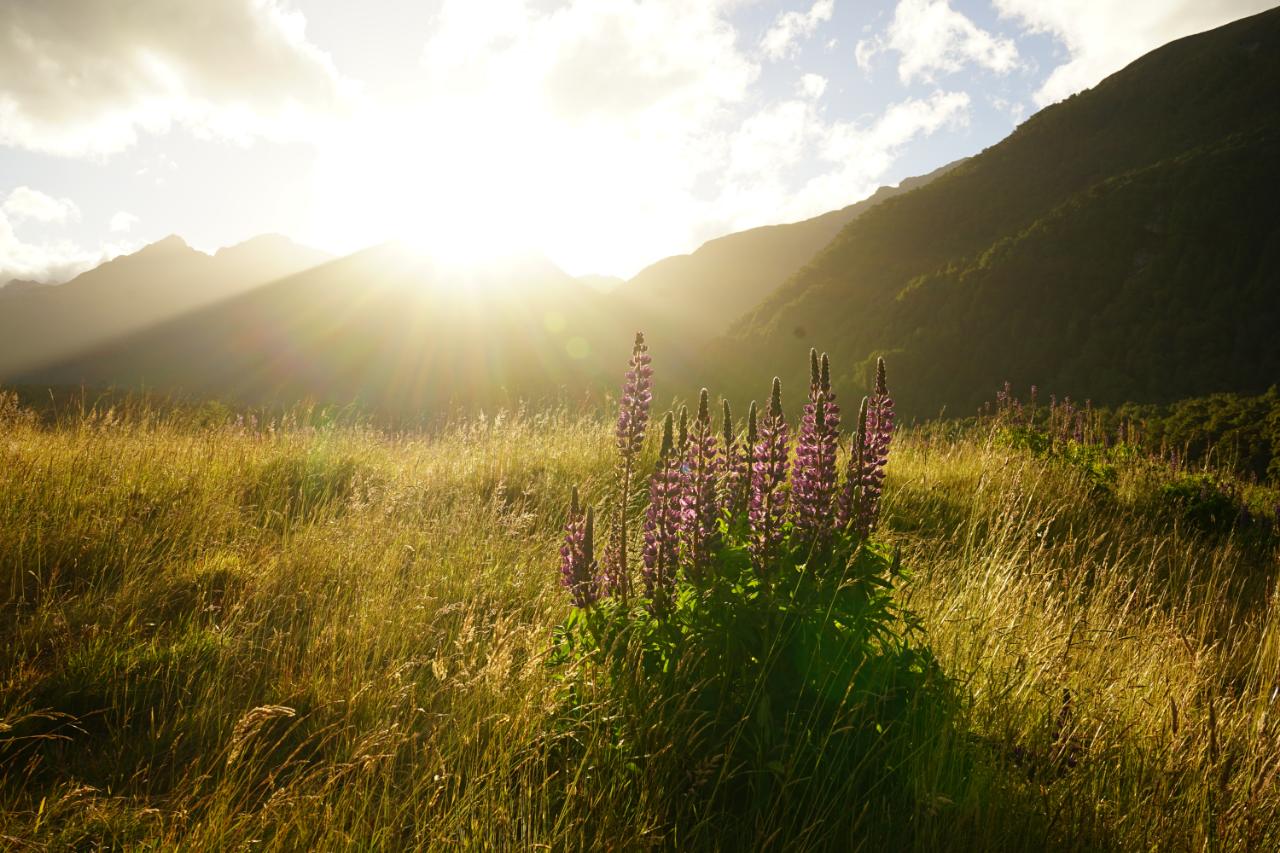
287, 635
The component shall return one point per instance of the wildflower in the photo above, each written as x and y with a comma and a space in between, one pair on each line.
877, 435
633, 417
637, 393
698, 511
578, 565
813, 479
768, 474
736, 467
849, 502
662, 523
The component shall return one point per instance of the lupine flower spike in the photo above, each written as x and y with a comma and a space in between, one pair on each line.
813, 480
662, 523
578, 567
637, 393
847, 510
735, 467
877, 435
742, 466
768, 505
728, 439
699, 515
633, 418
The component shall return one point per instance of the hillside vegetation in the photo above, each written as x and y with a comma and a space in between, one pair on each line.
1121, 245
1235, 431
690, 298
289, 636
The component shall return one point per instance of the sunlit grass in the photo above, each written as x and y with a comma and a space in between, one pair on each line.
337, 638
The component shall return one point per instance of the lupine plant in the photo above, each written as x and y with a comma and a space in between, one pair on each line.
633, 419
767, 613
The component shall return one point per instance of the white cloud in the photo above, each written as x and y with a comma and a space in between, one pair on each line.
782, 39
853, 158
26, 203
81, 78
122, 221
1016, 110
864, 52
863, 155
812, 85
1103, 36
47, 260
931, 37
52, 259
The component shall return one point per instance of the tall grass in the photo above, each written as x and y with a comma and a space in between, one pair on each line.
287, 638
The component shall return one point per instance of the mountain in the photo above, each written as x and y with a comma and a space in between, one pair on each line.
602, 283
385, 328
394, 331
16, 286
1123, 244
163, 280
703, 292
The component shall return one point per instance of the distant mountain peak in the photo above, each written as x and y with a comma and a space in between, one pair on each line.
18, 285
172, 243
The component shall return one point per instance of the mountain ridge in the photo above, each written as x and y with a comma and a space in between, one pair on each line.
129, 292
710, 287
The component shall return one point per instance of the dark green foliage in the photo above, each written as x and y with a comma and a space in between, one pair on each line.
1204, 500
1099, 463
1233, 431
804, 692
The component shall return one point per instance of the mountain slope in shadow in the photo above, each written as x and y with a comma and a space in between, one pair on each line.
700, 294
42, 325
385, 329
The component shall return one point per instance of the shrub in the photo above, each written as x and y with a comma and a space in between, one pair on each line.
764, 638
1205, 501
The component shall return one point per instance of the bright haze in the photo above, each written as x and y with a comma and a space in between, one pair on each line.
604, 135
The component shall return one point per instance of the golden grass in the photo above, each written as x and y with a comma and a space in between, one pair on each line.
290, 639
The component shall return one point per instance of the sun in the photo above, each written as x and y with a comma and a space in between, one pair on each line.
453, 200
463, 181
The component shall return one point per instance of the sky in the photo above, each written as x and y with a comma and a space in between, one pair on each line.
604, 133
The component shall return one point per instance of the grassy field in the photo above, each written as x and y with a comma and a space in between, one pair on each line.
287, 638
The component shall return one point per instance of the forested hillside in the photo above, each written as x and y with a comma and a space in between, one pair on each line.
1123, 245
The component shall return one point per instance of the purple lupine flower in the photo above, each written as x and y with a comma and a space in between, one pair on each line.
735, 477
813, 477
878, 434
578, 565
662, 523
848, 505
637, 393
633, 418
768, 505
699, 514
742, 465
1004, 399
